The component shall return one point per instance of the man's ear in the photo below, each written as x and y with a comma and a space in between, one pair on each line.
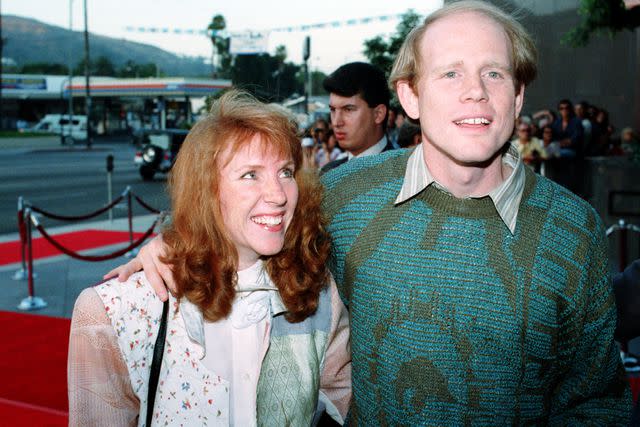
408, 99
379, 113
519, 100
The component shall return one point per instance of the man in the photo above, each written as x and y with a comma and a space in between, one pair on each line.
567, 129
359, 105
581, 109
478, 291
531, 148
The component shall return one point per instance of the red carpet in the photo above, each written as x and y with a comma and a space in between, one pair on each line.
74, 240
33, 368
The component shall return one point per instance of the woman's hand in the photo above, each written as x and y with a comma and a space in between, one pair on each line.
159, 274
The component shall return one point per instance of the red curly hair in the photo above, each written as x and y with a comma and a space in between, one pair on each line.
203, 259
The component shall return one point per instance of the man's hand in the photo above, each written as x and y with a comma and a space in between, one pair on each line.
159, 274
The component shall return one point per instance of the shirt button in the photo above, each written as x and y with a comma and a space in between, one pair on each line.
246, 377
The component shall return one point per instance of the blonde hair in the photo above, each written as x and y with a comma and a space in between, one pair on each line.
524, 54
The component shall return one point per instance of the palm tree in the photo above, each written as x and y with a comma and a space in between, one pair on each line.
219, 42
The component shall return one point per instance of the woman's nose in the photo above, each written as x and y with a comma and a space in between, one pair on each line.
274, 192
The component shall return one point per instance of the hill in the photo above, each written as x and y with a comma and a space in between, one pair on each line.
29, 41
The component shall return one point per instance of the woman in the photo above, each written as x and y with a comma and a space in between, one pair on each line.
256, 332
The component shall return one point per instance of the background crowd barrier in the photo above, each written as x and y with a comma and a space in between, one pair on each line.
27, 220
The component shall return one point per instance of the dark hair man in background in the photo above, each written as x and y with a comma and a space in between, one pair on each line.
359, 103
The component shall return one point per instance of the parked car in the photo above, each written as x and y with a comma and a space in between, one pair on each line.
159, 154
58, 124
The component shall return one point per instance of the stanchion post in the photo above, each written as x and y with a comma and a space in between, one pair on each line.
130, 214
22, 273
133, 252
31, 302
109, 188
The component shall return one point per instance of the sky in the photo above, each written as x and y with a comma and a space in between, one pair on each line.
330, 47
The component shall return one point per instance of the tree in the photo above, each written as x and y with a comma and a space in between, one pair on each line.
381, 52
102, 66
149, 70
603, 16
220, 44
317, 77
132, 69
268, 77
45, 68
265, 76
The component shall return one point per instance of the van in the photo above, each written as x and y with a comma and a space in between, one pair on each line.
59, 124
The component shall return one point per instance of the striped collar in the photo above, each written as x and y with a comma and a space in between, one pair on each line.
506, 197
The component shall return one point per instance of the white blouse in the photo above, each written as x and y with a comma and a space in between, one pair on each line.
235, 346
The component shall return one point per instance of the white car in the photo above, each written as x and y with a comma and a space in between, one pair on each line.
59, 124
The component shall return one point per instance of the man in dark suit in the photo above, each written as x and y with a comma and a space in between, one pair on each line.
359, 103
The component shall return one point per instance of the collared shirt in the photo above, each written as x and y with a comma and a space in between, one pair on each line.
235, 346
374, 149
506, 196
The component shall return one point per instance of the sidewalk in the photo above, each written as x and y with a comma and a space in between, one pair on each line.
60, 278
30, 143
52, 142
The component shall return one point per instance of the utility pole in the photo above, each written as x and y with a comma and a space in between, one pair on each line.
69, 94
87, 104
306, 53
1, 49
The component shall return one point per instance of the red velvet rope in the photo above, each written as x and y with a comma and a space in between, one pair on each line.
81, 217
144, 205
113, 255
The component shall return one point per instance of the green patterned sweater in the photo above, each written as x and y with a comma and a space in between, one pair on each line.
455, 321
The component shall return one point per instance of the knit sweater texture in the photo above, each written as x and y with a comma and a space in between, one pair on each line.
456, 321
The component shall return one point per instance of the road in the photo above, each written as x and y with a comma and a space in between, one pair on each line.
71, 180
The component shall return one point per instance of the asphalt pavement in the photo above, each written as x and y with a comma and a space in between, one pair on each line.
71, 181
59, 279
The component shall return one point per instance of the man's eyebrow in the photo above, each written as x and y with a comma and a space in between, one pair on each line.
496, 64
447, 66
455, 64
337, 107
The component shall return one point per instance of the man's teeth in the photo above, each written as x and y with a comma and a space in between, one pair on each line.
473, 121
267, 220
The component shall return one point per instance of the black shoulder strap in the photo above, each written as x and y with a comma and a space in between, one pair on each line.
154, 374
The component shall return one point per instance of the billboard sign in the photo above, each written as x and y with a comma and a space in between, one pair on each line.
24, 83
249, 42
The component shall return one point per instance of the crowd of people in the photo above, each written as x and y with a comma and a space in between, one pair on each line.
574, 132
443, 285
